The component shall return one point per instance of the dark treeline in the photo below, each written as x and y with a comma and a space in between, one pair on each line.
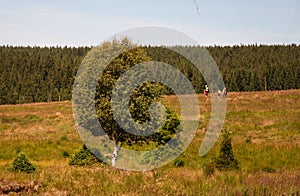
257, 68
38, 74
34, 74
244, 68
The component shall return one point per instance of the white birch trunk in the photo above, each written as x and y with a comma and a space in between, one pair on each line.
115, 153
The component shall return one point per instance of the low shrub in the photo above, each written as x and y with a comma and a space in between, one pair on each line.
83, 157
65, 154
22, 164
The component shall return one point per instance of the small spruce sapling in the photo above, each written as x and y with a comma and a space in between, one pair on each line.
226, 160
22, 164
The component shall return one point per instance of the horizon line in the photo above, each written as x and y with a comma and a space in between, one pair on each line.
154, 45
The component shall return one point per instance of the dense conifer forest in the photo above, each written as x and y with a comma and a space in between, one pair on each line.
40, 74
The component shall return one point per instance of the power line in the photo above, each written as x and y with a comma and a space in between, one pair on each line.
196, 5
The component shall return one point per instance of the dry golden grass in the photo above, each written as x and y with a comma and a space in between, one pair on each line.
266, 142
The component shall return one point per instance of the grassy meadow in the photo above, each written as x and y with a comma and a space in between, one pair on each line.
266, 141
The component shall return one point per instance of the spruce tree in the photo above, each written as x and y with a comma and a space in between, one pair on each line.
22, 163
226, 160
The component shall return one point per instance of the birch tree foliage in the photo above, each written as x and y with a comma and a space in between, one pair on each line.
140, 100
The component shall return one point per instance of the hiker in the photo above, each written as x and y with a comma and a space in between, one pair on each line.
206, 91
219, 93
224, 93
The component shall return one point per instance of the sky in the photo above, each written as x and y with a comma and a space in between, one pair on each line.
89, 22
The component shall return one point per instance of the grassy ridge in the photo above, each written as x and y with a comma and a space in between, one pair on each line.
266, 142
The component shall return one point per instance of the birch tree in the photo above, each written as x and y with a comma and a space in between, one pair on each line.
140, 100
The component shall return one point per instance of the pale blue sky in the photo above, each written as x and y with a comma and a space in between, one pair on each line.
78, 22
